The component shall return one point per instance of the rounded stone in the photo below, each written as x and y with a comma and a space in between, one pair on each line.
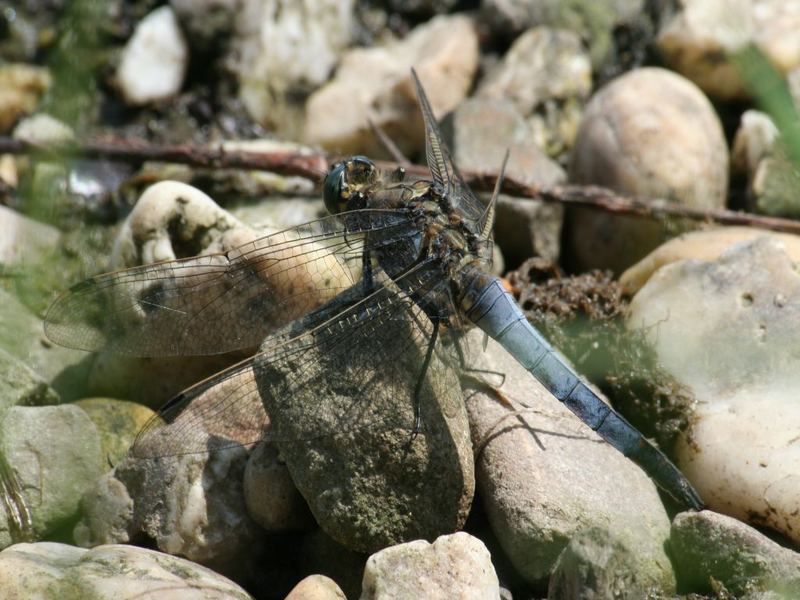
650, 134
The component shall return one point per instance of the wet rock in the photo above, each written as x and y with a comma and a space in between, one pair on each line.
593, 21
49, 473
375, 83
43, 129
698, 38
706, 245
270, 494
117, 422
48, 569
348, 440
24, 240
547, 75
316, 587
546, 479
453, 566
708, 545
154, 60
482, 131
286, 48
191, 505
652, 134
20, 386
21, 87
727, 330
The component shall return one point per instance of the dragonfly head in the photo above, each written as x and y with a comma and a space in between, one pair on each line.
346, 182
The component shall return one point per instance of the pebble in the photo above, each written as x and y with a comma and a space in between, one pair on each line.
546, 479
53, 570
704, 245
649, 133
43, 129
154, 61
375, 83
708, 545
698, 38
316, 587
21, 88
453, 566
727, 329
51, 471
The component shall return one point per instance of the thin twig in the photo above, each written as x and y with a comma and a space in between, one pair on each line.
313, 166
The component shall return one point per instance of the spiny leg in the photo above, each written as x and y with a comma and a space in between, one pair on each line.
421, 380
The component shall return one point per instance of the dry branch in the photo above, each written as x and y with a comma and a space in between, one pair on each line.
313, 165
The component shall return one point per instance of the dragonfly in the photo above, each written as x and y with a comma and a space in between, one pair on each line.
404, 267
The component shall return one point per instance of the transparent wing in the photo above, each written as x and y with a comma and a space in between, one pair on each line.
222, 302
351, 364
440, 162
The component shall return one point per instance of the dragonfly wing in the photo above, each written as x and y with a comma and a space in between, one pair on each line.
221, 302
352, 364
440, 162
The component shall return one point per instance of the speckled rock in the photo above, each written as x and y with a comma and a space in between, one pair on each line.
705, 245
696, 39
21, 87
270, 494
117, 422
52, 455
284, 48
368, 480
51, 570
482, 130
727, 329
545, 479
547, 75
453, 566
154, 60
708, 545
649, 133
316, 587
375, 83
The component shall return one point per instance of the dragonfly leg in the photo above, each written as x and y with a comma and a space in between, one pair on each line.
421, 378
367, 279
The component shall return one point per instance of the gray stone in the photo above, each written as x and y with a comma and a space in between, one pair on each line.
52, 455
51, 570
709, 545
651, 134
270, 494
343, 419
727, 329
117, 422
453, 566
545, 478
481, 132
375, 83
24, 240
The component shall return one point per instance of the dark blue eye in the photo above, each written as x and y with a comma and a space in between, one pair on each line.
348, 180
332, 189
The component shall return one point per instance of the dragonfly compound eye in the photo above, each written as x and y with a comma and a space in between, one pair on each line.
334, 189
346, 180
